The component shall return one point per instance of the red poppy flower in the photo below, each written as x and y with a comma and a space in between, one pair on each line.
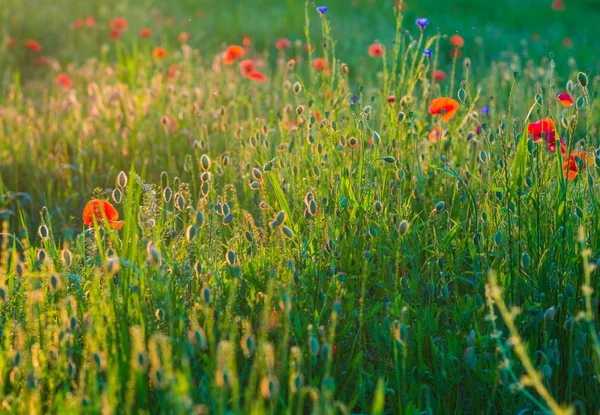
565, 99
246, 42
391, 99
114, 34
159, 53
544, 126
439, 75
183, 37
444, 107
283, 44
319, 64
33, 46
436, 135
145, 32
570, 165
376, 50
457, 41
118, 23
78, 24
232, 53
99, 210
90, 21
246, 66
63, 80
10, 42
558, 5
568, 42
173, 72
256, 76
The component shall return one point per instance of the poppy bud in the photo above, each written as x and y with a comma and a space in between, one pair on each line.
582, 79
205, 162
403, 227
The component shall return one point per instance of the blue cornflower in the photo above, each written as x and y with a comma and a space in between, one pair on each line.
485, 110
427, 52
422, 22
354, 99
322, 9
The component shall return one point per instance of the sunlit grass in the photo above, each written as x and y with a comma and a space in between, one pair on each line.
326, 241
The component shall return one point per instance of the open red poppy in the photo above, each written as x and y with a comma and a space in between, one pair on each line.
570, 166
256, 76
232, 53
98, 210
444, 107
145, 32
565, 99
376, 50
33, 46
457, 41
283, 44
246, 66
544, 126
118, 23
159, 53
63, 80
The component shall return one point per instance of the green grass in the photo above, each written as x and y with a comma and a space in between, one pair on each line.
300, 245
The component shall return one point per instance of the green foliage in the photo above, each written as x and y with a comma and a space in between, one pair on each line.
319, 243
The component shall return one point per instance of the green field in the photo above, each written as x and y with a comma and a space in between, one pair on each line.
299, 230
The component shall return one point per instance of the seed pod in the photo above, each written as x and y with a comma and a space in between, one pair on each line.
440, 206
462, 95
205, 162
179, 201
378, 206
66, 257
112, 265
154, 256
389, 159
299, 109
122, 179
116, 195
254, 185
55, 283
199, 219
525, 260
403, 227
43, 232
582, 79
41, 256
190, 233
256, 173
287, 232
167, 194
228, 219
297, 88
231, 257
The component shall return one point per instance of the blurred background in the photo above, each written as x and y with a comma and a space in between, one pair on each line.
532, 28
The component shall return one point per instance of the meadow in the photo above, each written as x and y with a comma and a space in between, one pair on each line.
260, 207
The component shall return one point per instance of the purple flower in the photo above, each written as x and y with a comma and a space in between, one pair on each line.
427, 52
485, 110
322, 9
422, 22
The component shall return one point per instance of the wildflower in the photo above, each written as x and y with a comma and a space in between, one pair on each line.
173, 72
90, 21
376, 50
445, 107
543, 128
427, 53
439, 75
283, 44
455, 53
354, 99
246, 66
391, 99
322, 9
422, 22
10, 42
256, 76
98, 209
41, 61
436, 135
319, 64
183, 37
118, 23
568, 42
114, 34
232, 53
145, 32
457, 41
565, 99
78, 24
574, 164
159, 53
558, 5
485, 110
64, 81
33, 46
